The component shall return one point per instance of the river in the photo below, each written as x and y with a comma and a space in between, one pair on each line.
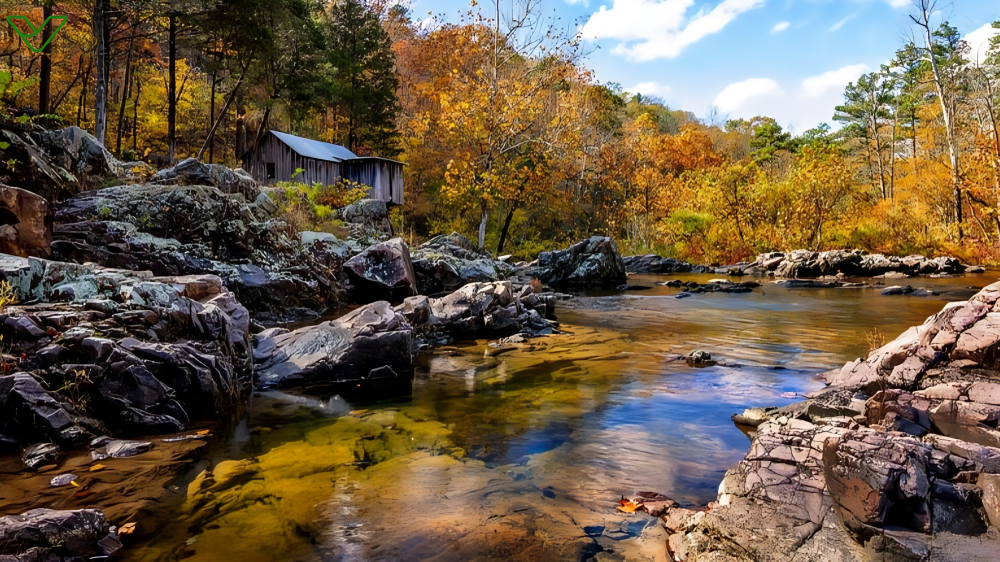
522, 456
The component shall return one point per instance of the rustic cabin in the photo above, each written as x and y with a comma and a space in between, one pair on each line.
278, 155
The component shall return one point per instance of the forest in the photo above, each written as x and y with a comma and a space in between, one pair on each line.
510, 139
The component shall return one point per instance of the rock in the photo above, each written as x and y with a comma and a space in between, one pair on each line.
383, 271
700, 358
368, 220
120, 449
62, 480
193, 172
990, 485
651, 263
874, 479
41, 454
447, 262
49, 535
348, 349
589, 263
753, 417
29, 410
25, 223
80, 153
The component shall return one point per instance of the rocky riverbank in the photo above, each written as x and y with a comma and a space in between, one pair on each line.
142, 308
897, 459
806, 264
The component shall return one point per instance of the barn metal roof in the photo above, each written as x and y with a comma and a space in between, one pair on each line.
315, 149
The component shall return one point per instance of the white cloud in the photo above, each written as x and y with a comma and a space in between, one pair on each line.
736, 96
651, 89
780, 26
979, 42
797, 108
651, 29
841, 23
899, 3
833, 80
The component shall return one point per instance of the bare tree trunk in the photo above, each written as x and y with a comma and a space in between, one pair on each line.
926, 8
127, 91
241, 129
482, 227
225, 108
892, 154
172, 90
504, 230
101, 33
45, 72
135, 115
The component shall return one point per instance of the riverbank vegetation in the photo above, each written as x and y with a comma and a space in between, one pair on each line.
510, 139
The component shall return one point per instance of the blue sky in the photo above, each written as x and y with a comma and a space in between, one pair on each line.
788, 59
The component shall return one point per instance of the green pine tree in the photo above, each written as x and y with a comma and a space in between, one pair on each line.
365, 82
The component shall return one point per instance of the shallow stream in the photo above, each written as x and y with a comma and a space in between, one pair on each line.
522, 456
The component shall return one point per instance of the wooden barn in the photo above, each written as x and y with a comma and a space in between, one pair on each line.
278, 155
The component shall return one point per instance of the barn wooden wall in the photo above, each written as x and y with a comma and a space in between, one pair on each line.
385, 177
286, 161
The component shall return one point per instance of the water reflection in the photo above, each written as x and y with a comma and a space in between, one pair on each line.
520, 456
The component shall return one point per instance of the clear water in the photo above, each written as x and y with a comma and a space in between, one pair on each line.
522, 456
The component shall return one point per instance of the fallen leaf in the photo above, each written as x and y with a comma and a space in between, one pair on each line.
74, 484
127, 529
203, 432
629, 506
97, 467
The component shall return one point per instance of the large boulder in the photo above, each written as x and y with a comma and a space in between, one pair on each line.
80, 153
447, 262
373, 342
194, 172
368, 220
25, 223
383, 271
480, 310
589, 263
47, 535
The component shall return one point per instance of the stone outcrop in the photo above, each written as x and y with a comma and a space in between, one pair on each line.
368, 220
127, 350
447, 262
191, 230
898, 459
59, 163
194, 172
589, 263
383, 271
480, 310
372, 342
25, 223
651, 263
851, 263
46, 535
375, 343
